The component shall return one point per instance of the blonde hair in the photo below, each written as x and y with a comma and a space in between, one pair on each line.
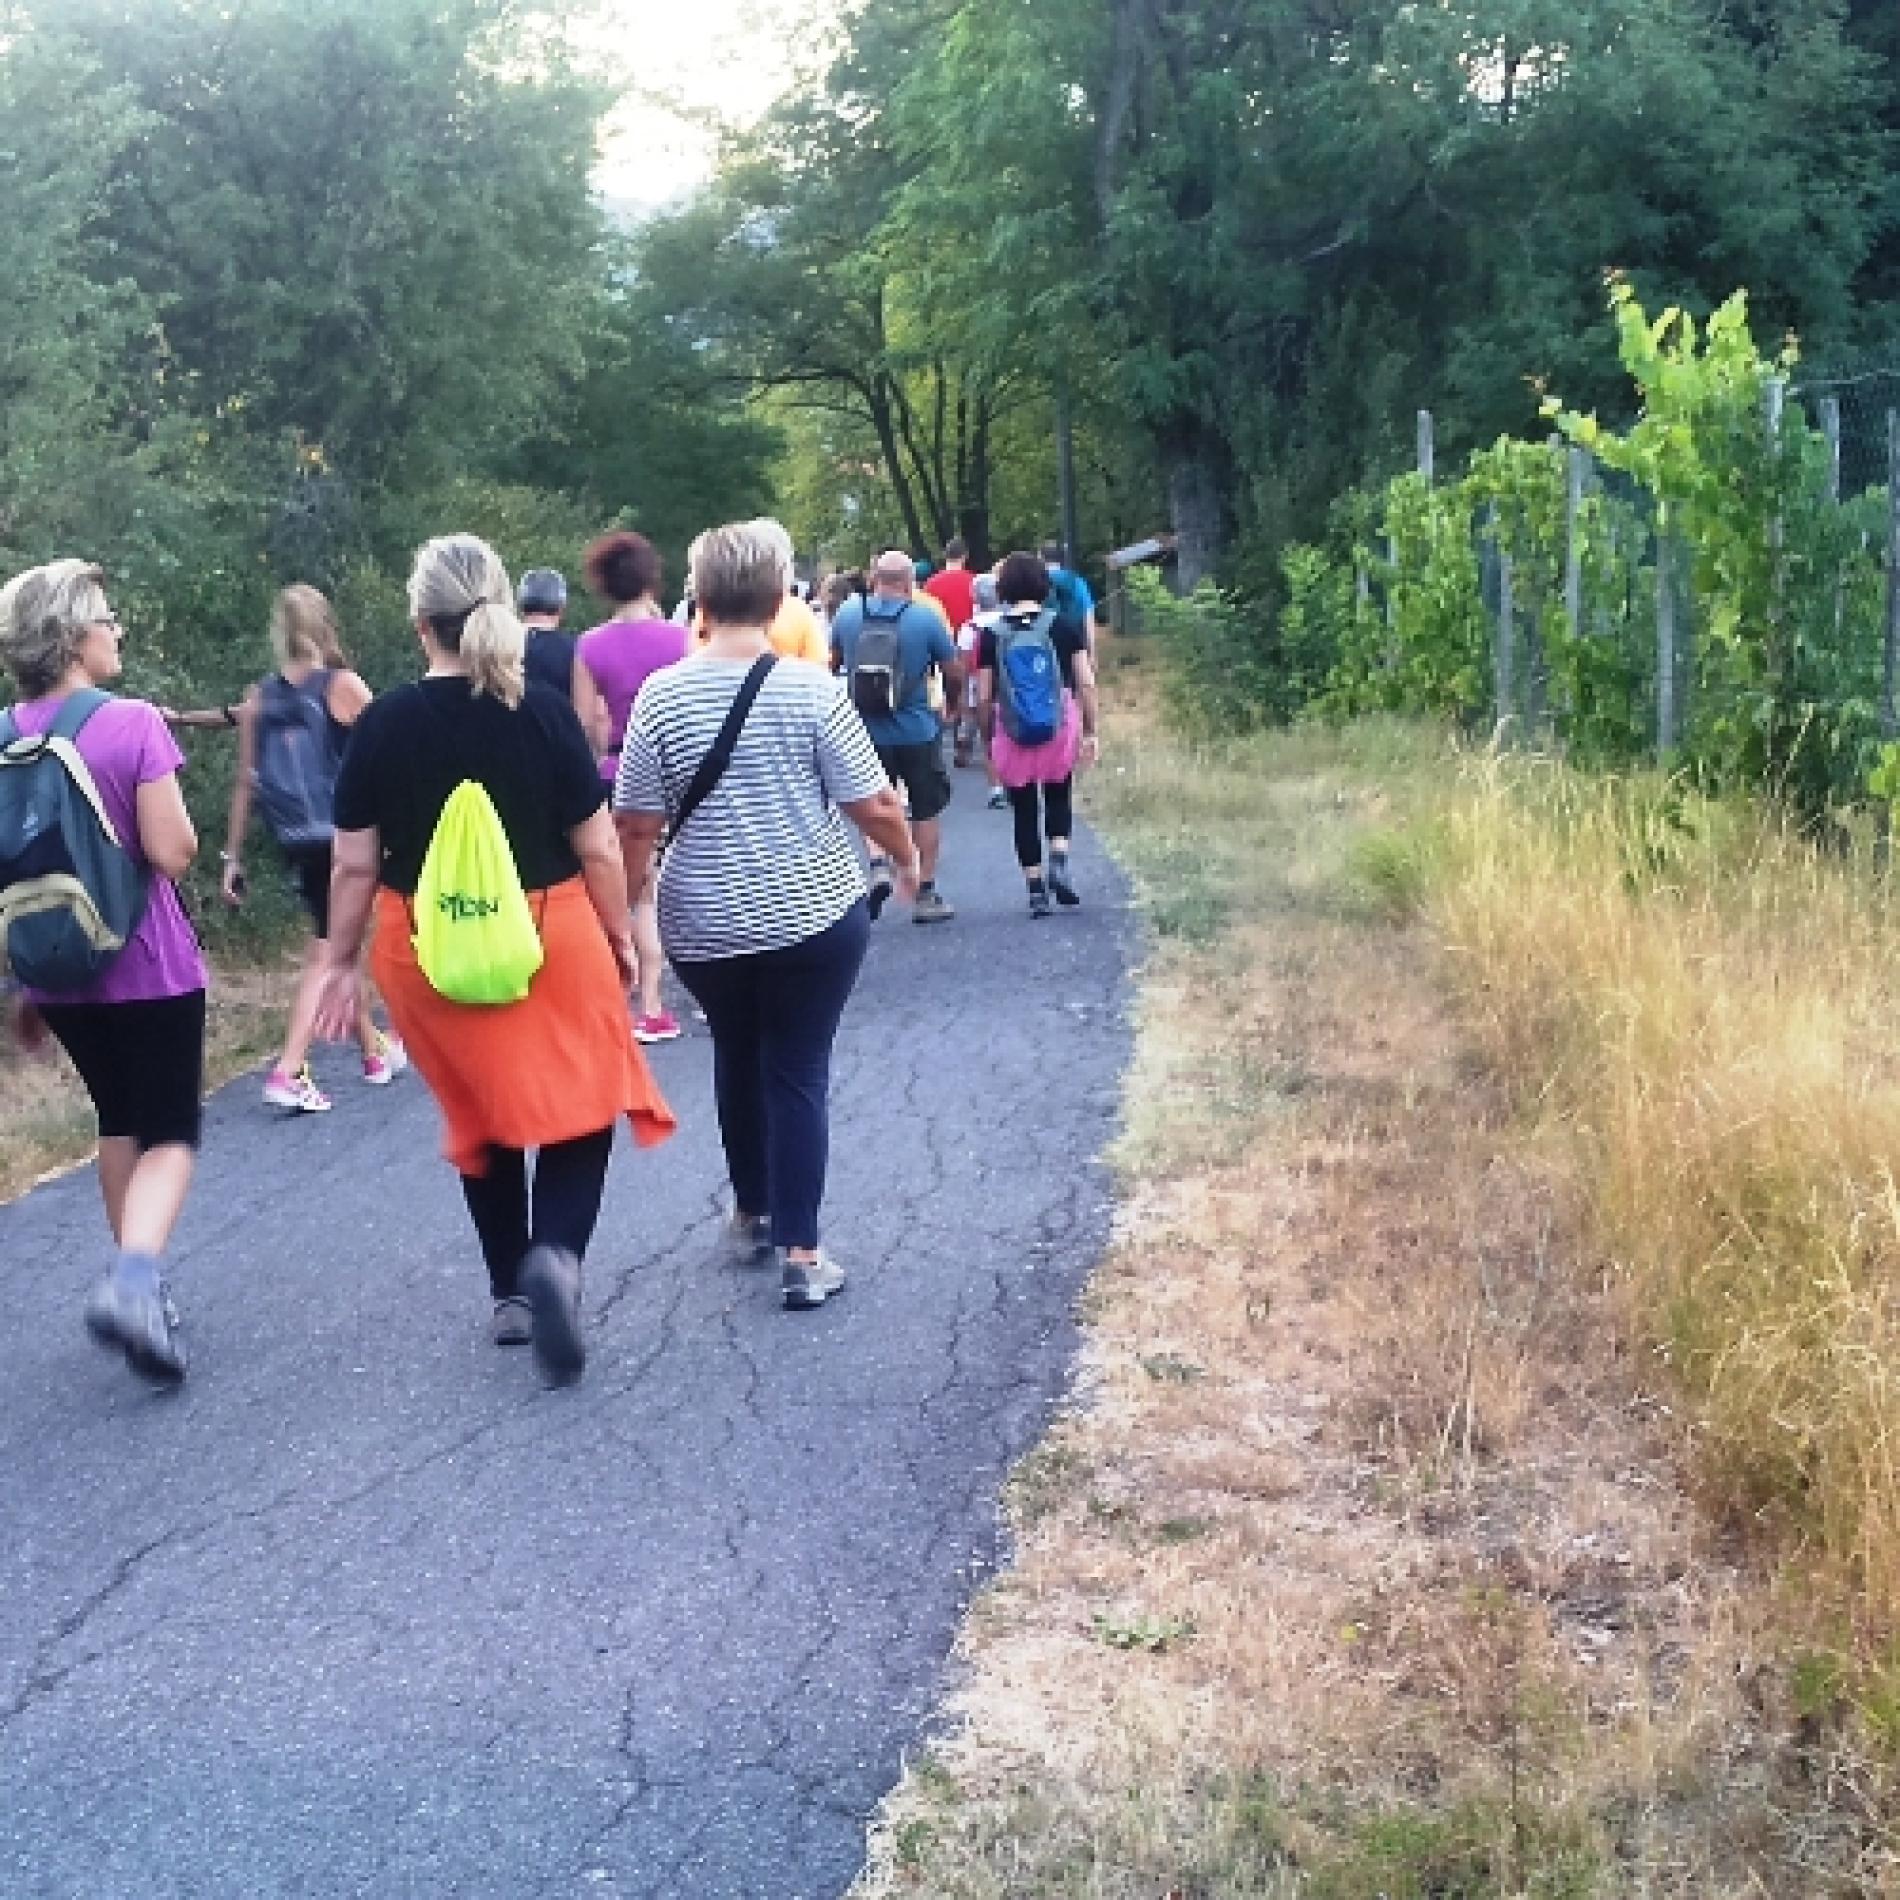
44, 615
459, 586
303, 629
742, 572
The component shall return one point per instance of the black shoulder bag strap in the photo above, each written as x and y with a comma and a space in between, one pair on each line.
712, 768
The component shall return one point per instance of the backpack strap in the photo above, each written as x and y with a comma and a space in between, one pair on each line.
79, 707
712, 768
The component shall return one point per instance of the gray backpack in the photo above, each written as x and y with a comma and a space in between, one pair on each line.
70, 895
297, 760
878, 685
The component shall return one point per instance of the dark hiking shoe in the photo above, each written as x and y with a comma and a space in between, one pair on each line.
1039, 905
808, 1283
749, 1239
133, 1314
878, 891
551, 1284
1059, 882
514, 1321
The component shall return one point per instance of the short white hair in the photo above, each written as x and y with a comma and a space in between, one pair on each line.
742, 572
44, 616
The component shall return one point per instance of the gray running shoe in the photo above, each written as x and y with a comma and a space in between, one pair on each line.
136, 1317
998, 799
749, 1239
932, 908
1060, 885
551, 1284
514, 1321
1039, 905
808, 1283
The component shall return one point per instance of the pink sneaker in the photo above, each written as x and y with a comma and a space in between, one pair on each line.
298, 1092
383, 1068
664, 1027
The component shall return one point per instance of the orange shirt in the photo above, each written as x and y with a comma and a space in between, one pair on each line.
794, 633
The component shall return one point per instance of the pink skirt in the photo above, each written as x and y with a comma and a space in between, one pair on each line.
1046, 764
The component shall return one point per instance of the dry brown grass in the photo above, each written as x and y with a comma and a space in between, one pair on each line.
45, 1120
1362, 1566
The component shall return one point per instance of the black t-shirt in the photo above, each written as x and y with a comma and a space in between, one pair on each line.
550, 658
1068, 636
413, 747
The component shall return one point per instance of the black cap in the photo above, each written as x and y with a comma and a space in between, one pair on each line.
542, 591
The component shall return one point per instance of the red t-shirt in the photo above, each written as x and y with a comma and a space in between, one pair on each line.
954, 590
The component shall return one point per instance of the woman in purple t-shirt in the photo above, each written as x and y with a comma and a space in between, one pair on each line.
622, 656
136, 1033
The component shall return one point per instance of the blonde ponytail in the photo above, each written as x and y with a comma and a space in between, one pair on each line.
460, 587
494, 649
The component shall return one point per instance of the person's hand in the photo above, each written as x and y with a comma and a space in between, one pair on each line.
28, 1025
1091, 749
626, 960
909, 879
339, 1001
233, 882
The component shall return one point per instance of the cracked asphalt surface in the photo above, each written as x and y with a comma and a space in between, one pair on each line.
363, 1611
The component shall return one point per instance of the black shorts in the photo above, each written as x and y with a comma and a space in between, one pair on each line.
311, 869
143, 1064
920, 770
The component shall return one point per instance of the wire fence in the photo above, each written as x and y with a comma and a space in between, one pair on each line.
1623, 592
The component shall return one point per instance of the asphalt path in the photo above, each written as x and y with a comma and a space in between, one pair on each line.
364, 1611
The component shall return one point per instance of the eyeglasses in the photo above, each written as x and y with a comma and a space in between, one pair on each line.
108, 620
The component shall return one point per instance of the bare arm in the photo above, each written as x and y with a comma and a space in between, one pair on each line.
1090, 702
239, 821
640, 835
881, 819
605, 873
355, 859
346, 696
592, 708
166, 835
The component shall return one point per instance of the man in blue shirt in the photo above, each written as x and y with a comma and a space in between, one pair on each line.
909, 735
1071, 594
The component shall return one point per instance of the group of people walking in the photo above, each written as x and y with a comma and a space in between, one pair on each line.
512, 845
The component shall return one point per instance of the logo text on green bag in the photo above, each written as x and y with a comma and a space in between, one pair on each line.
467, 910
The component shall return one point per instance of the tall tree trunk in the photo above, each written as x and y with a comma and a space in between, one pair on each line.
1195, 503
973, 491
884, 420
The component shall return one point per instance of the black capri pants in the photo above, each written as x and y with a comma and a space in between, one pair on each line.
142, 1063
1057, 814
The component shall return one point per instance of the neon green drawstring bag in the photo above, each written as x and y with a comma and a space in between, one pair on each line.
475, 936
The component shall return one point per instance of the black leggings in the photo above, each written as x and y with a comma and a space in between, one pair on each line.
1058, 812
569, 1179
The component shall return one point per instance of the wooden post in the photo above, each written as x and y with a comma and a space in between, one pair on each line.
1577, 475
1665, 645
1890, 669
1427, 446
1504, 644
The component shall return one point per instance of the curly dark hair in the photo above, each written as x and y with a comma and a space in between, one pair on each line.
1022, 577
623, 566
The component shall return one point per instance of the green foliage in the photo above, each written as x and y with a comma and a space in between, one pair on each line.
1780, 586
1217, 676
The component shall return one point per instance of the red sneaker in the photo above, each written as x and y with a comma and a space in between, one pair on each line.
664, 1027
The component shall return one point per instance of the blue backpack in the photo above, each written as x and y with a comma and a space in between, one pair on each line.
70, 894
1028, 679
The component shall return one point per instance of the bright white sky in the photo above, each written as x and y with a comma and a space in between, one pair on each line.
681, 60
